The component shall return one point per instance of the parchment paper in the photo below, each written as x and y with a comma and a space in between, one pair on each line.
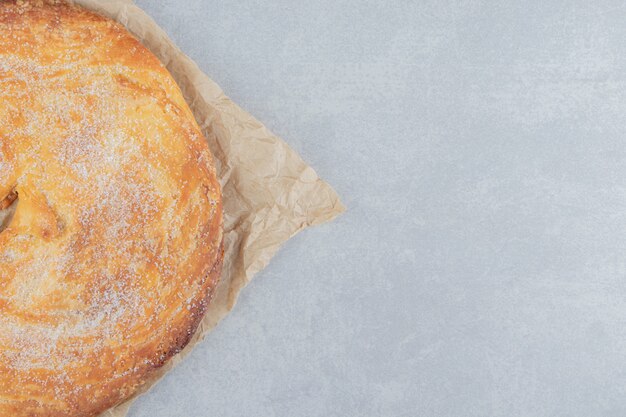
269, 193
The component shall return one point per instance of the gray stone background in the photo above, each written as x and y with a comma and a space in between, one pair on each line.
481, 267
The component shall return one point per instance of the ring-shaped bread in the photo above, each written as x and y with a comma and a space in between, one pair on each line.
114, 247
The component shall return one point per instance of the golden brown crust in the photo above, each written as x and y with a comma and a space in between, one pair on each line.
115, 245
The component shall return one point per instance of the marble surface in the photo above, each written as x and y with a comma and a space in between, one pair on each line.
481, 267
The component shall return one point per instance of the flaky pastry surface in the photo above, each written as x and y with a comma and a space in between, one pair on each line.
115, 244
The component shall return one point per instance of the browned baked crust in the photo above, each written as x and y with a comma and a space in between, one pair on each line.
115, 247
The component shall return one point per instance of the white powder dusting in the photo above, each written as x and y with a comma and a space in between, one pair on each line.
94, 260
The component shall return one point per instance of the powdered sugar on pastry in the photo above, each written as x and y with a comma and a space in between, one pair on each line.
114, 247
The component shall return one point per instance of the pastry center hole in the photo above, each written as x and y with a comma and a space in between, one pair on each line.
7, 209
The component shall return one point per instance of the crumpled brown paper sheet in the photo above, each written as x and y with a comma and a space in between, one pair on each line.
269, 192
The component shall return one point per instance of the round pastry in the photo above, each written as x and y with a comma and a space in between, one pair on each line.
111, 226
